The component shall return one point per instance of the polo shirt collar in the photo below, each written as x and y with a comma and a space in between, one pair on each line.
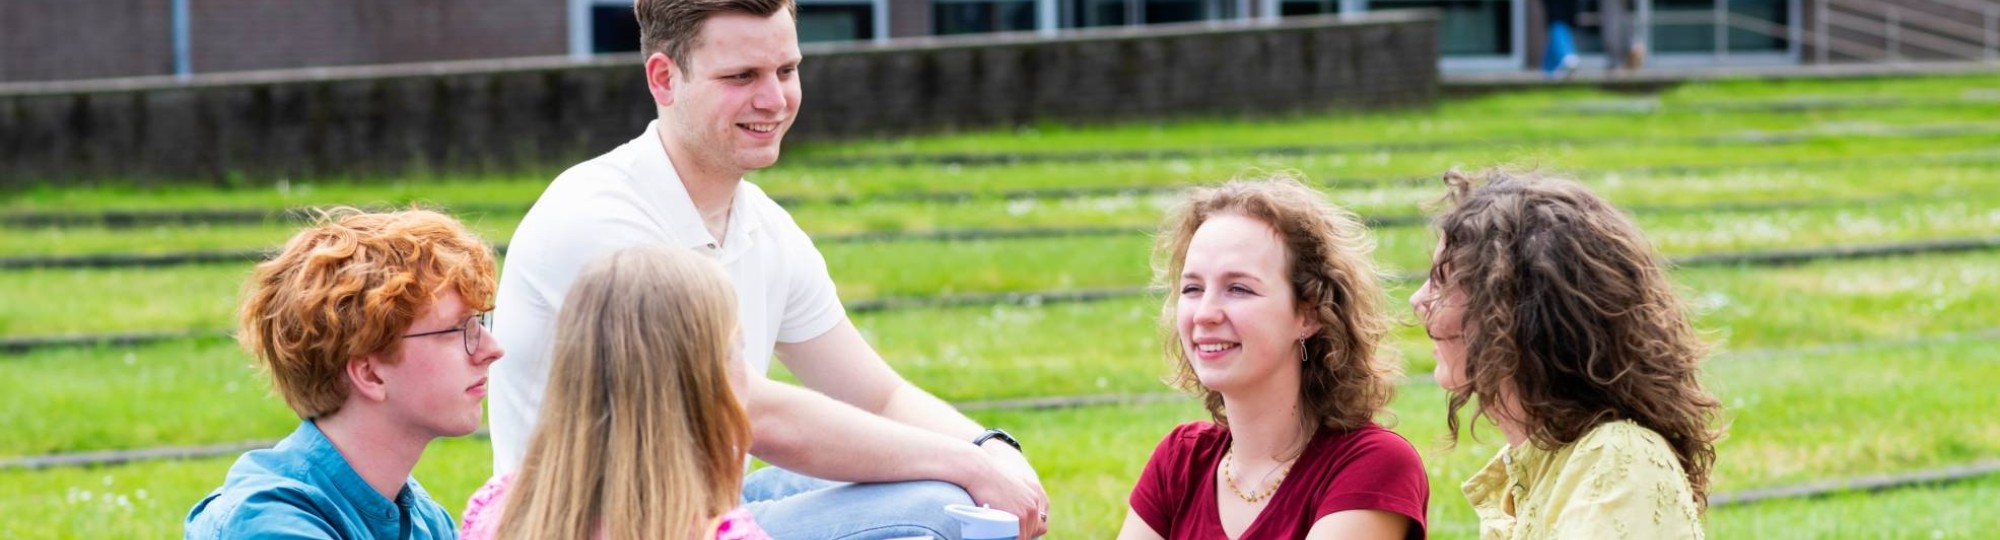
660, 185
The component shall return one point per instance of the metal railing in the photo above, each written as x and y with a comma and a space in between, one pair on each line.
1850, 30
1888, 28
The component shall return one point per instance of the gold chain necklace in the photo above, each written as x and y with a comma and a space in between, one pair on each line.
1229, 477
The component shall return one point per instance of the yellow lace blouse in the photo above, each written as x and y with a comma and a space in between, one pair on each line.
1620, 481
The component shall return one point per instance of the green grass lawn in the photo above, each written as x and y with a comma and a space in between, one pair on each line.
1920, 513
1510, 116
975, 353
1971, 186
1793, 418
202, 298
1337, 169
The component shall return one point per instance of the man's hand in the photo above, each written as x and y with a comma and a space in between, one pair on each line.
1013, 487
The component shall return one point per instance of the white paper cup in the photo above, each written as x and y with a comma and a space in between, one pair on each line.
982, 523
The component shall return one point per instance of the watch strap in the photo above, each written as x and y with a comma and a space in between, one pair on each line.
997, 434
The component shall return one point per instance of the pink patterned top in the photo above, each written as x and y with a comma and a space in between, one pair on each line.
482, 515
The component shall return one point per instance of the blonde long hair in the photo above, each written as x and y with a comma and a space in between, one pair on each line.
641, 431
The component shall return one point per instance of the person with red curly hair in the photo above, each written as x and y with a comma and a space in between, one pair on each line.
371, 326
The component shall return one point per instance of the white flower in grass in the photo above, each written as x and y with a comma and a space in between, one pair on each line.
1612, 179
1112, 204
955, 357
1020, 207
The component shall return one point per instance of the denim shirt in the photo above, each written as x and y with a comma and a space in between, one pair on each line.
303, 488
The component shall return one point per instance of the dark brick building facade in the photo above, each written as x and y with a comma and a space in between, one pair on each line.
83, 39
43, 40
535, 113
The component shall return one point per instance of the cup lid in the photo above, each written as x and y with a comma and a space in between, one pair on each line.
979, 522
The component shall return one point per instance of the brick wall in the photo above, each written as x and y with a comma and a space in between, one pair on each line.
234, 35
539, 113
1124, 73
77, 39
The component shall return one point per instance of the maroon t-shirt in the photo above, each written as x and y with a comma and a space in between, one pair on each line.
1370, 468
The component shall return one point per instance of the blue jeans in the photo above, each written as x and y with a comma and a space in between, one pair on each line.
1562, 47
792, 506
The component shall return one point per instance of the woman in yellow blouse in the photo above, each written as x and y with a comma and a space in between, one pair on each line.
1551, 314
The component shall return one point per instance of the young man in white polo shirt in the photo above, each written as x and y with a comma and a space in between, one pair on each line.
875, 457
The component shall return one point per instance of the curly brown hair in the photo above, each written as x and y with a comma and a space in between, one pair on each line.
1569, 311
1351, 377
350, 286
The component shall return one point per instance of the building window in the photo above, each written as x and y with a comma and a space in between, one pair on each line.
836, 22
1092, 13
1289, 8
1752, 13
613, 28
1688, 26
1173, 11
980, 16
1468, 27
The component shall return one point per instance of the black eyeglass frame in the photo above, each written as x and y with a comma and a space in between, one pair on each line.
484, 320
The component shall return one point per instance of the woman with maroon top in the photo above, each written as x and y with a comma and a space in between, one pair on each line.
1275, 317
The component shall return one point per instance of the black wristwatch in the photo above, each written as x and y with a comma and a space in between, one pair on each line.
997, 434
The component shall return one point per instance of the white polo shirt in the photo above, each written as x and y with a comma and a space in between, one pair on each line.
627, 197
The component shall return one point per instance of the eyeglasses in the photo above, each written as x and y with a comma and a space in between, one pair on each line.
473, 327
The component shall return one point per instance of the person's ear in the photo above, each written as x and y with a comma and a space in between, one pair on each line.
660, 78
1309, 322
364, 377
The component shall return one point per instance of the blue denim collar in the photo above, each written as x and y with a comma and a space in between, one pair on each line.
320, 454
